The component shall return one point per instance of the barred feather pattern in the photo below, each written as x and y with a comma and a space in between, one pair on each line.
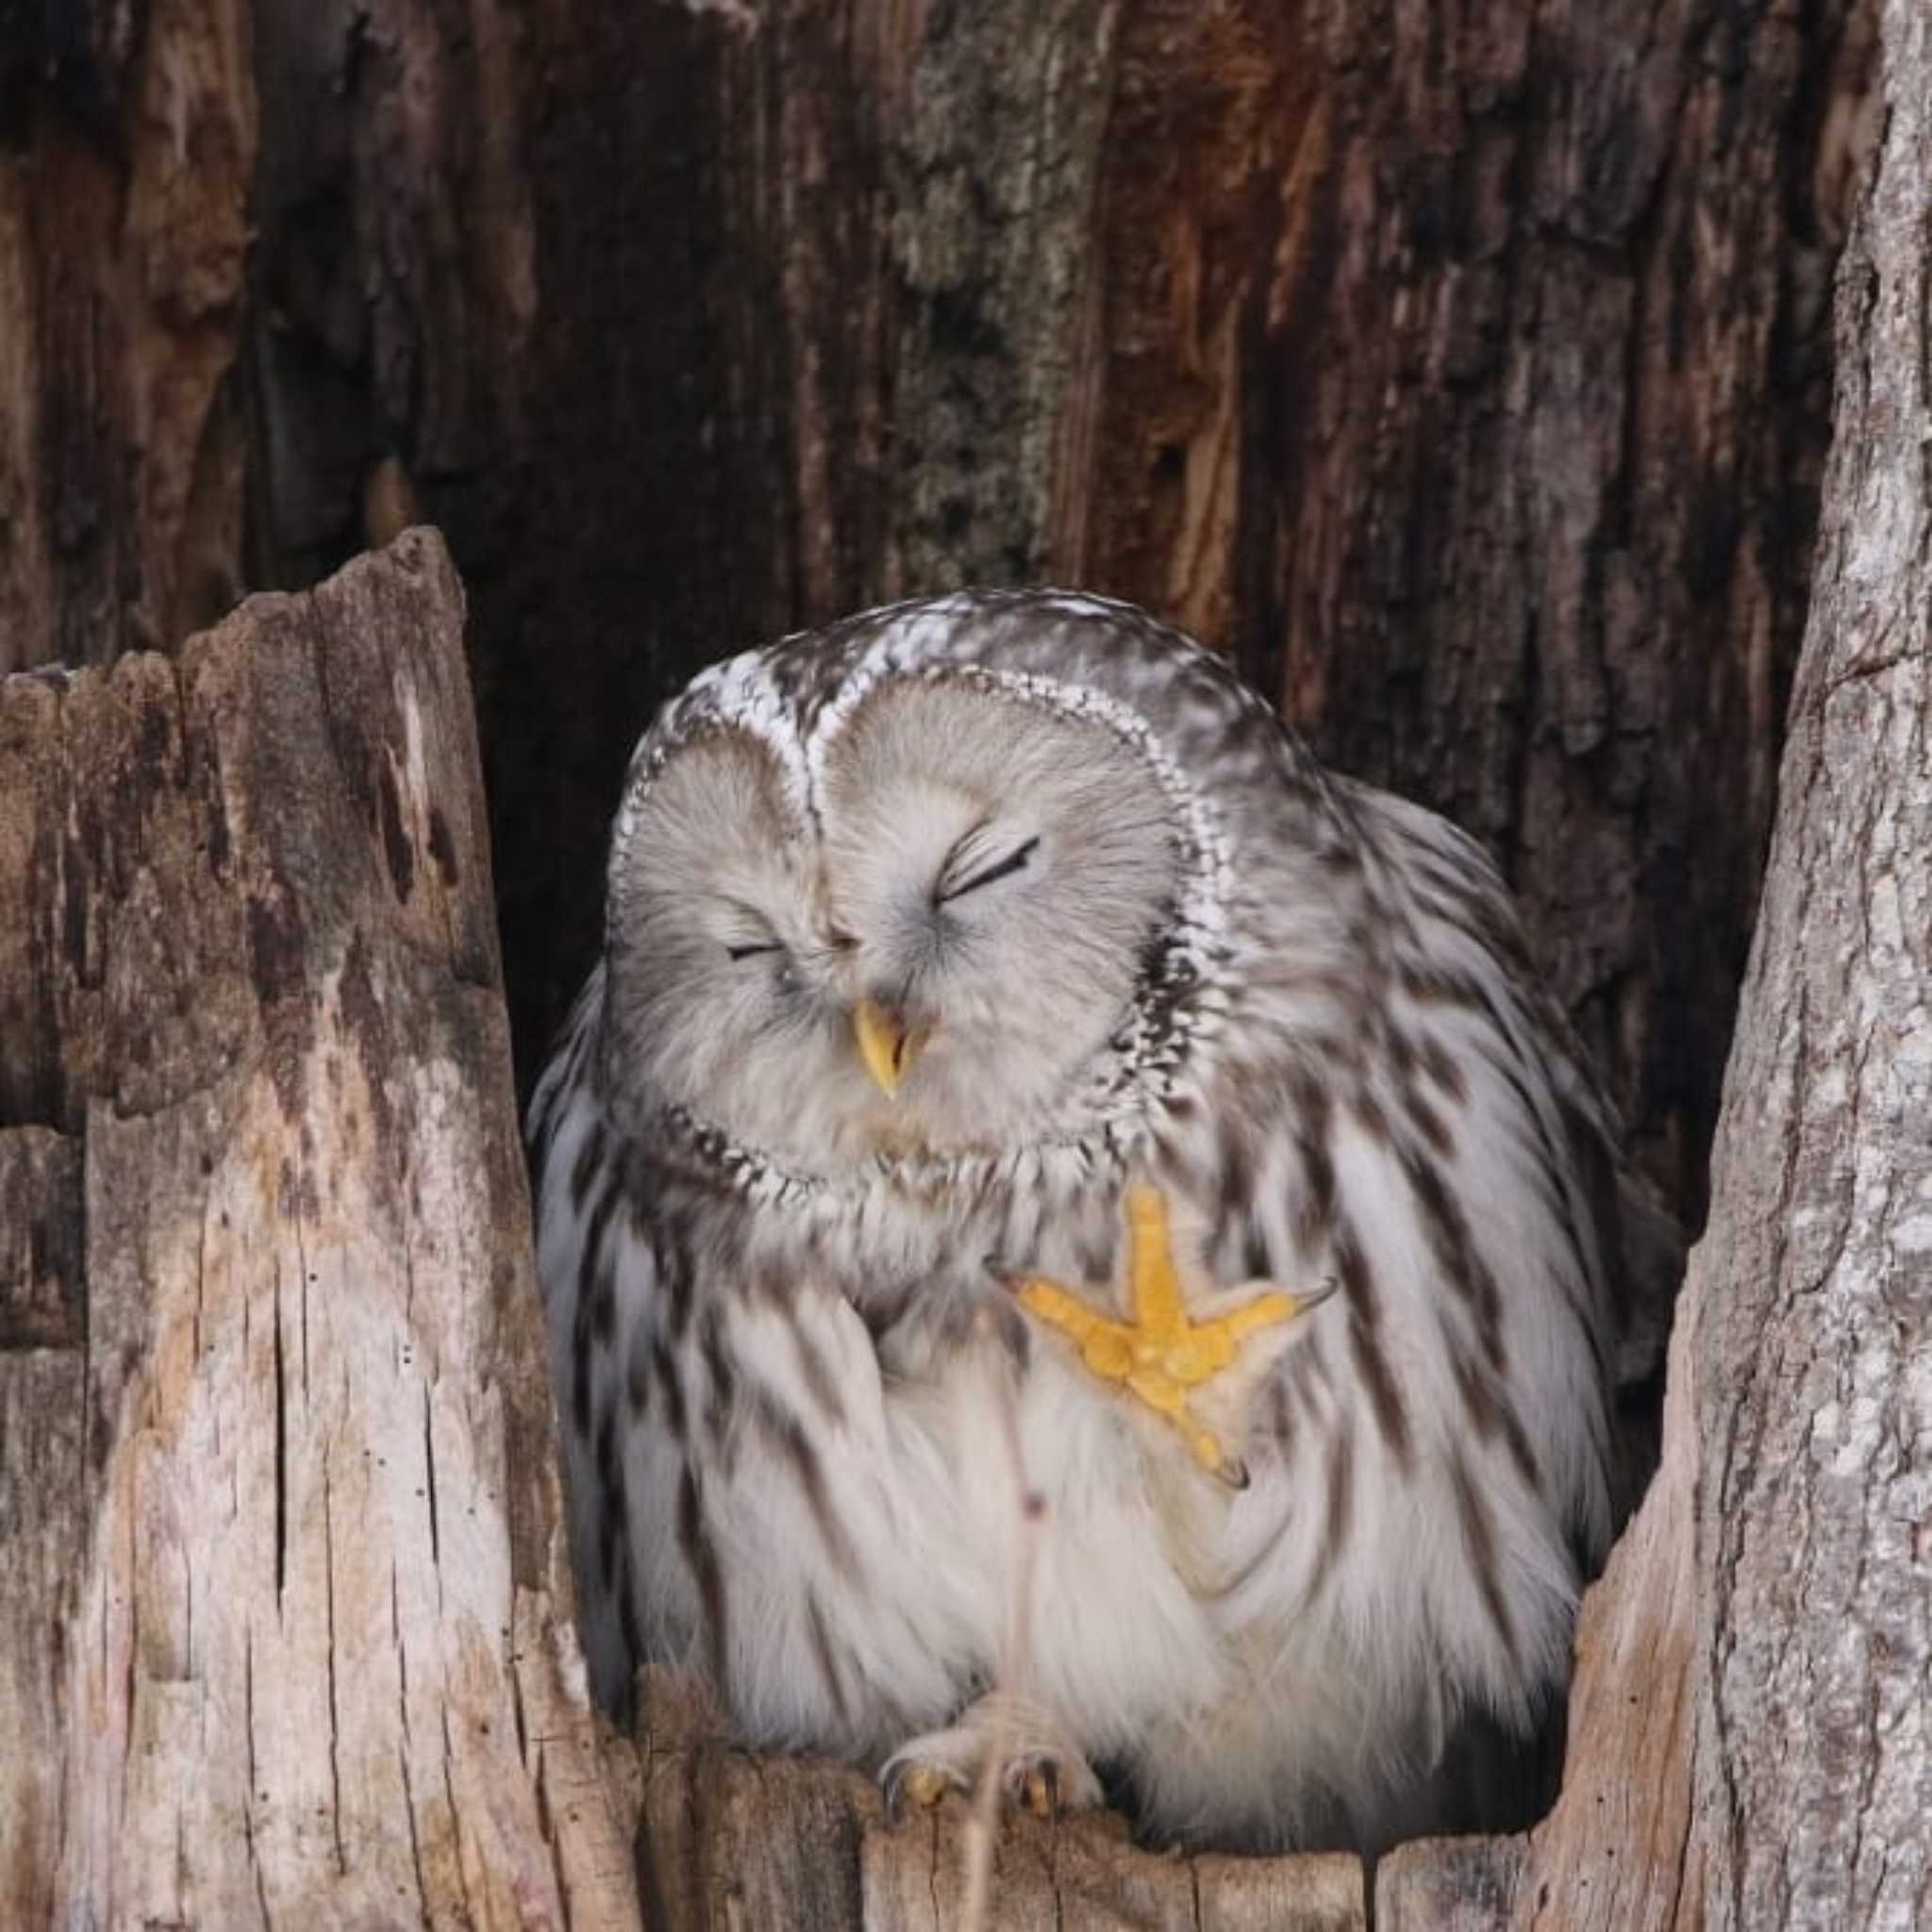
779, 1379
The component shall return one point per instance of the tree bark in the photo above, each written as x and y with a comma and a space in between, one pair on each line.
129, 140
1815, 1426
1465, 376
284, 1616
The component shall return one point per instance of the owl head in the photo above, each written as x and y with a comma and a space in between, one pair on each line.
920, 886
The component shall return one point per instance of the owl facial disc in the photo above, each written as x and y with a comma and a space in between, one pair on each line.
927, 910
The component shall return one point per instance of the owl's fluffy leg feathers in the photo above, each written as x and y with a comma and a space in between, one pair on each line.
1040, 1765
1164, 1352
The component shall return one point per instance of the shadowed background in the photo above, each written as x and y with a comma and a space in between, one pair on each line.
1463, 372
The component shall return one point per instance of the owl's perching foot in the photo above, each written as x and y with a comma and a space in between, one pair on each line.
1042, 1769
1162, 1353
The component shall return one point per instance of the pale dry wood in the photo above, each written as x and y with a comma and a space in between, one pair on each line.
1616, 1852
283, 1625
731, 1840
1814, 1743
1448, 1884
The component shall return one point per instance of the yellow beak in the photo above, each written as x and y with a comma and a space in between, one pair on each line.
886, 1045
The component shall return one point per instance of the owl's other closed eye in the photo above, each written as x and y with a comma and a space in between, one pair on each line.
1011, 925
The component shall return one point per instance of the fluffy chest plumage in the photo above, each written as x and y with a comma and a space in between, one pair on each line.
804, 1440
888, 1446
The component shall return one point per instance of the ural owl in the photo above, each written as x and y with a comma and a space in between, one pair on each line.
1007, 1033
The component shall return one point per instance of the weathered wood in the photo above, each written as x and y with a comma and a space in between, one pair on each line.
1449, 1885
1814, 1744
732, 1839
283, 1630
1617, 1853
127, 151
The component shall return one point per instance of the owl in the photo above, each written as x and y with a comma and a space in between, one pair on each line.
1039, 1146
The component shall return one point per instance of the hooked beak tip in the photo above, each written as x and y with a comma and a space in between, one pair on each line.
886, 1043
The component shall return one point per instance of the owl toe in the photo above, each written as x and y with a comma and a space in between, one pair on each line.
914, 1784
1048, 1784
1039, 1774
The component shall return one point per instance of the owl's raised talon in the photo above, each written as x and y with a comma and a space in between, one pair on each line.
1161, 1353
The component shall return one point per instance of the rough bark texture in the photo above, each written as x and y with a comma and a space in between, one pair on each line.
127, 147
1540, 369
1815, 1345
283, 1621
1462, 373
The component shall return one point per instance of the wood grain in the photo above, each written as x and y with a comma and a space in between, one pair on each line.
281, 1631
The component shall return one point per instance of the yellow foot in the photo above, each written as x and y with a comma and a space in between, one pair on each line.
1161, 1354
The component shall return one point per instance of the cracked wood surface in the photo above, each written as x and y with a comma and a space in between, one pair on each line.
279, 1632
732, 1839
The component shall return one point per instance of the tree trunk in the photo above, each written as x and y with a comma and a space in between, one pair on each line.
1815, 1379
279, 1633
1463, 375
